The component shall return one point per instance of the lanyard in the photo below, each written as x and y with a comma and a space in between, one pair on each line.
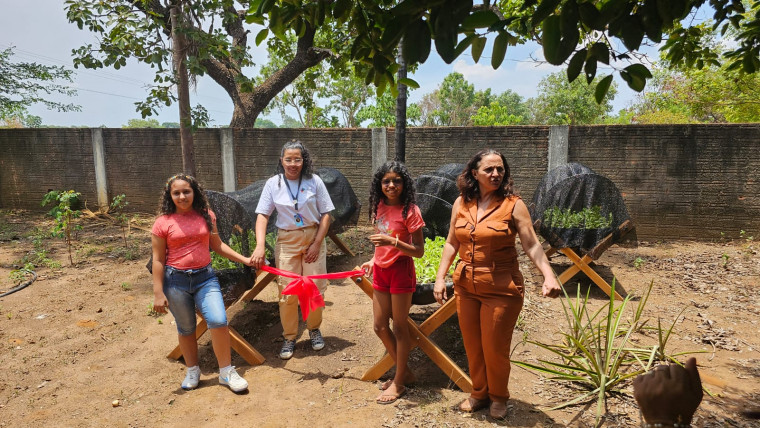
293, 195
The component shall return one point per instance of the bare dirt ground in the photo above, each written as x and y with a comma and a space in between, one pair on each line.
82, 336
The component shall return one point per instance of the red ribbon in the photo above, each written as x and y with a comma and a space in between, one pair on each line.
302, 286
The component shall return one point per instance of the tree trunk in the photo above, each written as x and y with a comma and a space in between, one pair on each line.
401, 109
183, 92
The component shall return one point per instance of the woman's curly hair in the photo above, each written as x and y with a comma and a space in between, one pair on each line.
200, 203
306, 169
468, 185
376, 190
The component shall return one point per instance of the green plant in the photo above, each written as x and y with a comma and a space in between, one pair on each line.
427, 265
118, 204
125, 286
638, 263
64, 213
587, 218
595, 353
236, 243
724, 257
17, 276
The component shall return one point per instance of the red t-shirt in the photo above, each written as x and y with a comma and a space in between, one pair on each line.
187, 239
389, 221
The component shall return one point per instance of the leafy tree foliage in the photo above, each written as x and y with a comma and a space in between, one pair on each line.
142, 123
560, 102
23, 84
580, 33
383, 112
218, 35
264, 123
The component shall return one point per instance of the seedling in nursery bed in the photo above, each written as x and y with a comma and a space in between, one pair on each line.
638, 263
64, 214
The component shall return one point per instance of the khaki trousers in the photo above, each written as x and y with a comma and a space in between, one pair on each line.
288, 255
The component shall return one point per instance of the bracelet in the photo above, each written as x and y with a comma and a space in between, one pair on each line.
395, 244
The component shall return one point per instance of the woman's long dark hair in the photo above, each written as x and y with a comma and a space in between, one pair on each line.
306, 169
468, 185
376, 190
200, 203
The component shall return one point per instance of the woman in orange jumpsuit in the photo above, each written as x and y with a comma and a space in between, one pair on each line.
485, 219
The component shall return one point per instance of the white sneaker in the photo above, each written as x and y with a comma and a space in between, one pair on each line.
231, 378
192, 378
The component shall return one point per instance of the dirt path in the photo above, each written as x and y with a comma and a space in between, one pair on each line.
81, 337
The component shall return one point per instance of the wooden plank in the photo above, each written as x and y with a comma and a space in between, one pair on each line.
598, 280
262, 280
200, 328
436, 354
607, 242
572, 270
343, 247
242, 347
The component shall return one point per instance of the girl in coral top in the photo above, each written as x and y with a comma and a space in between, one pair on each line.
183, 279
398, 237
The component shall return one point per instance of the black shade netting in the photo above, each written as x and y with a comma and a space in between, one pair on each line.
436, 193
346, 203
578, 208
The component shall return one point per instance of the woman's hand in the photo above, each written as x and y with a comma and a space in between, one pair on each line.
258, 257
312, 253
160, 303
551, 287
439, 291
367, 267
380, 239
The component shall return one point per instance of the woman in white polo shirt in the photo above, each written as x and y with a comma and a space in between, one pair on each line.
303, 206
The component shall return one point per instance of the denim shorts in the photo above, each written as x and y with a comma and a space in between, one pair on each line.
187, 290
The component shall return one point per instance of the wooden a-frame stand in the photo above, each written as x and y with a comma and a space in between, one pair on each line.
420, 337
581, 264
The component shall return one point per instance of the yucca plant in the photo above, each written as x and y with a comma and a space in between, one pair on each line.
595, 353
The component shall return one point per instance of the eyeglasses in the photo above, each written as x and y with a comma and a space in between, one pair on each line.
395, 181
292, 161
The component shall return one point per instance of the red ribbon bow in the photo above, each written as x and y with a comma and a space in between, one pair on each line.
304, 287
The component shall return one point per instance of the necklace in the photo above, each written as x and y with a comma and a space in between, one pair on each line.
293, 195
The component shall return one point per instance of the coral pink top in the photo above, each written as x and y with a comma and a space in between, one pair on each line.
389, 221
187, 239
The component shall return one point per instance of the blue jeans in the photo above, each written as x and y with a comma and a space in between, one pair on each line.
187, 290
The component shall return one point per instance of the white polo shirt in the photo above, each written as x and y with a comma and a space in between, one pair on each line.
313, 201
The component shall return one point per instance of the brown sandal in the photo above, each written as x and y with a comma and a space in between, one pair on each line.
498, 410
472, 404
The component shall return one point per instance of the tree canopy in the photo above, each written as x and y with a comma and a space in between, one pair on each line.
579, 33
23, 84
217, 32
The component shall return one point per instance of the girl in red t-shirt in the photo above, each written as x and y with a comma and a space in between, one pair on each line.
398, 237
183, 279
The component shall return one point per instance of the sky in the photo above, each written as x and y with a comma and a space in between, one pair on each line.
40, 33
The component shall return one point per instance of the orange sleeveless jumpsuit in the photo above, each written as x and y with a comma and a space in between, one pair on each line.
489, 289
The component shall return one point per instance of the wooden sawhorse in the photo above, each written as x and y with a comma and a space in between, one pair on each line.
238, 342
582, 263
420, 337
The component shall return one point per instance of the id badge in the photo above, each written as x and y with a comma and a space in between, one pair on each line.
298, 219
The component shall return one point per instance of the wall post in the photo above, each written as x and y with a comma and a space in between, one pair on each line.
229, 178
558, 145
99, 160
379, 148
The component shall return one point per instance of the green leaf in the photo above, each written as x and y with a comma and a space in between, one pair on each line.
576, 64
601, 52
590, 69
341, 8
550, 39
464, 44
632, 32
477, 48
409, 83
544, 9
601, 88
499, 49
418, 47
480, 19
640, 70
261, 36
590, 16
